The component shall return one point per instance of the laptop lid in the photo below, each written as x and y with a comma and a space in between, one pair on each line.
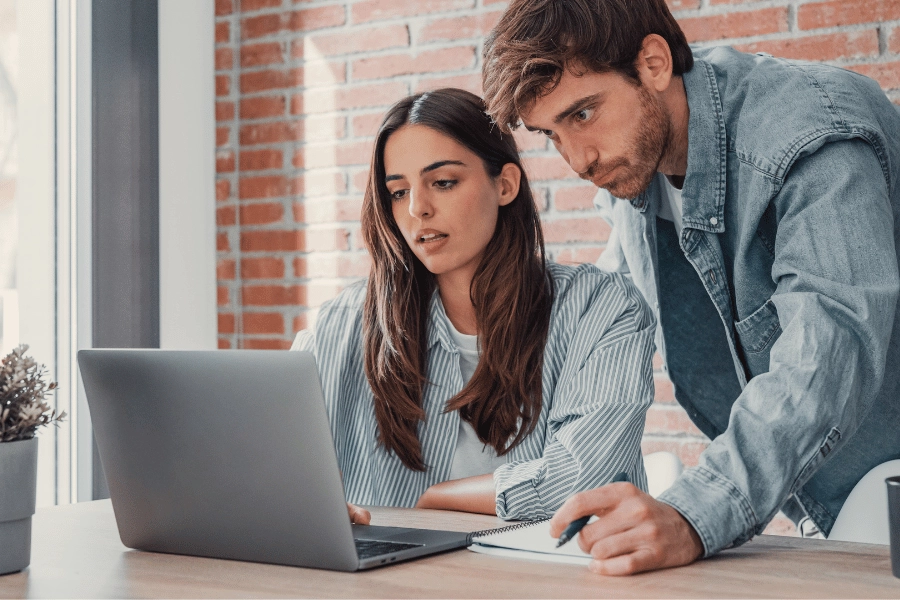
224, 454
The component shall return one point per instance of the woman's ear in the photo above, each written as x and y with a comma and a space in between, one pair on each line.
509, 180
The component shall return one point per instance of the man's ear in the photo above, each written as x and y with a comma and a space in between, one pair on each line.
654, 63
509, 180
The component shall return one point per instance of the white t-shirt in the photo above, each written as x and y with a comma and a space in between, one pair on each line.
472, 457
671, 207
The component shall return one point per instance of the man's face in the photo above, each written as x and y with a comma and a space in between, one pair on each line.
609, 129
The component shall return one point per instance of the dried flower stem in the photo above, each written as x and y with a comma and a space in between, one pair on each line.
22, 391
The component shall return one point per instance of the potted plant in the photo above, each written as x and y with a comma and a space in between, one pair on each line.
22, 410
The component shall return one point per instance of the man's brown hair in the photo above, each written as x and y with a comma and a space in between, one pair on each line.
536, 40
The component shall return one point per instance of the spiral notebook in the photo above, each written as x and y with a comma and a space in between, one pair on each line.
529, 540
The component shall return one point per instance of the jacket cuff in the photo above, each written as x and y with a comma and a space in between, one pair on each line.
716, 509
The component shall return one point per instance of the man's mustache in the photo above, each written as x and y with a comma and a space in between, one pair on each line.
595, 169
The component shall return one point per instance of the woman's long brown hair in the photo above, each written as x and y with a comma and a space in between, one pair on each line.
511, 290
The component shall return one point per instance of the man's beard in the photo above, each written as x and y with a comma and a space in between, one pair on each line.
641, 162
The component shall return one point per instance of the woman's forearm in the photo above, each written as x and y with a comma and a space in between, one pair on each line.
470, 494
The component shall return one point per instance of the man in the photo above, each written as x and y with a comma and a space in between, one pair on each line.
756, 204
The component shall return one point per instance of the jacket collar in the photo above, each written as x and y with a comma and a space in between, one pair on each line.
703, 194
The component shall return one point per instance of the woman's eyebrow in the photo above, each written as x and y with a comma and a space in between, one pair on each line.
431, 167
441, 163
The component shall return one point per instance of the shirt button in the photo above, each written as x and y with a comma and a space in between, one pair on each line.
714, 221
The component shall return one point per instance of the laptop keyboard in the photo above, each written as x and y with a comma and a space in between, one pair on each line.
370, 548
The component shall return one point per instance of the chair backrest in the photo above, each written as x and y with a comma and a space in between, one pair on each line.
864, 517
663, 468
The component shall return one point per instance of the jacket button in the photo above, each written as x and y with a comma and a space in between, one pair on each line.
714, 221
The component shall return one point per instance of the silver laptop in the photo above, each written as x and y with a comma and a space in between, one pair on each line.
229, 454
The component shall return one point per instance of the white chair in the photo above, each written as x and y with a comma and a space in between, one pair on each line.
864, 517
663, 468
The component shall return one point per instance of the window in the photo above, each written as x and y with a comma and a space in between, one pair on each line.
9, 223
39, 264
61, 149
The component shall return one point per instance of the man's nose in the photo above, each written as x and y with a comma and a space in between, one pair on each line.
579, 155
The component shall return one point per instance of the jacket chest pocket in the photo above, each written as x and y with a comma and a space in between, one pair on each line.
757, 334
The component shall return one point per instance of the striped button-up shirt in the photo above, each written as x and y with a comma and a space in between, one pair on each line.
597, 386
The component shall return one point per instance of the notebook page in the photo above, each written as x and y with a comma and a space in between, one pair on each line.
534, 540
557, 558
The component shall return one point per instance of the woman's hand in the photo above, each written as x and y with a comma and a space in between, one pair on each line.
359, 516
470, 494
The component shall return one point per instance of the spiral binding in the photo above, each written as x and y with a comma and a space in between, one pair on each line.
486, 532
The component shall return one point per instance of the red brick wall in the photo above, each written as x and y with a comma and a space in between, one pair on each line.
301, 86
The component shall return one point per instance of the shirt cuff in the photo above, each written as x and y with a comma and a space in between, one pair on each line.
516, 488
717, 510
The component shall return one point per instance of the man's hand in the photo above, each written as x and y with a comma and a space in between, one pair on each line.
634, 532
358, 515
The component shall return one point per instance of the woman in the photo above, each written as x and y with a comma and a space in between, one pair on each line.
467, 373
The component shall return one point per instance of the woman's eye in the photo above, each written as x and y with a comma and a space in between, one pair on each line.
445, 184
398, 194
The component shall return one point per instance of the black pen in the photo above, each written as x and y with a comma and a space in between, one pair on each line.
578, 524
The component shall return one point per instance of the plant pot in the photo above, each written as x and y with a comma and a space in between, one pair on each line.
18, 487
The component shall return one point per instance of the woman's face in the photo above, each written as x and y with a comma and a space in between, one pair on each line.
443, 199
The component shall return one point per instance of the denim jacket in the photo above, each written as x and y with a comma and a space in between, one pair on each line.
777, 304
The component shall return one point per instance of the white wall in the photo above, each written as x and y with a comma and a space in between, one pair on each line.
187, 232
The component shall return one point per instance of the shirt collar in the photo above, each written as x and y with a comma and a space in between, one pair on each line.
703, 193
437, 325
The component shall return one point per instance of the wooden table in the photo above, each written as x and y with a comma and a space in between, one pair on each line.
76, 552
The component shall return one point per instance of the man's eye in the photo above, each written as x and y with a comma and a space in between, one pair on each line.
584, 114
398, 194
547, 132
